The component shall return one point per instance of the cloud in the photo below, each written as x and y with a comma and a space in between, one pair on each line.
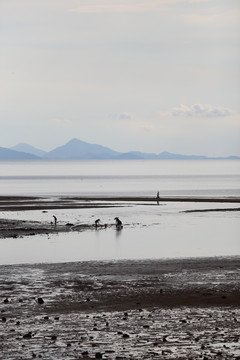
60, 122
129, 6
117, 8
199, 110
125, 116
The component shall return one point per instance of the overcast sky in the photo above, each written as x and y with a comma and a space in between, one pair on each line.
148, 75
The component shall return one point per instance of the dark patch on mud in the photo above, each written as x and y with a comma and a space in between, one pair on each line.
170, 309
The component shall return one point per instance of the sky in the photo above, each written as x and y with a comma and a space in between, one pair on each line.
147, 75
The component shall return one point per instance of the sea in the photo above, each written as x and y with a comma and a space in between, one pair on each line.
150, 230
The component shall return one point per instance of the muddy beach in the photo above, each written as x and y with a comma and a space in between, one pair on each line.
132, 309
170, 309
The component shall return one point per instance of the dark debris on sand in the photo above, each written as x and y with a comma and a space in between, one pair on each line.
168, 309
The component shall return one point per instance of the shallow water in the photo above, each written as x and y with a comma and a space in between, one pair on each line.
149, 232
123, 177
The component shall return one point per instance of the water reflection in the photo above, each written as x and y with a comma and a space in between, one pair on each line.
118, 232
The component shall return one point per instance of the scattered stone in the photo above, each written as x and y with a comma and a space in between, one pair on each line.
125, 336
18, 323
6, 301
46, 318
4, 319
40, 301
54, 337
98, 355
69, 344
56, 318
27, 335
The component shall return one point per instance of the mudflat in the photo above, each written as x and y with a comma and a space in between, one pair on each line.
149, 309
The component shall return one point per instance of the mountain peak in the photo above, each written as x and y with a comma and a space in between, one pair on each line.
26, 148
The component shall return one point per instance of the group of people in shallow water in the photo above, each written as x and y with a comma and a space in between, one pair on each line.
97, 222
118, 223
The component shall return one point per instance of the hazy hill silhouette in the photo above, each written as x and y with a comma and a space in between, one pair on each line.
23, 147
77, 149
8, 154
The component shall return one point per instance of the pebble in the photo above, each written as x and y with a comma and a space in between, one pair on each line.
98, 355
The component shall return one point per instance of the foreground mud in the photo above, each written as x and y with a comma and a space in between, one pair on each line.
167, 309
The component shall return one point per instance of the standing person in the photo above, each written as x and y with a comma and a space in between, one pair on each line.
55, 220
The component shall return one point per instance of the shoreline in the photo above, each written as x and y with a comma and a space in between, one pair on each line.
18, 203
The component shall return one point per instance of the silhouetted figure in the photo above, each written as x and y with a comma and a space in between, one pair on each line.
158, 197
55, 220
97, 222
118, 223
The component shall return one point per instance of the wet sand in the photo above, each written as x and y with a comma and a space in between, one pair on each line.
161, 309
149, 309
19, 203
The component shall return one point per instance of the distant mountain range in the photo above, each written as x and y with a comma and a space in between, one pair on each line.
77, 149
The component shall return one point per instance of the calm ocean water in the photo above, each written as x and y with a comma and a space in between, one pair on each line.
149, 231
131, 177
